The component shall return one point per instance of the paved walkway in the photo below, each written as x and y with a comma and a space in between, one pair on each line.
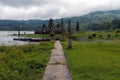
57, 68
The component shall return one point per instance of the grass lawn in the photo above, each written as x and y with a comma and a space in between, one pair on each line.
94, 60
24, 62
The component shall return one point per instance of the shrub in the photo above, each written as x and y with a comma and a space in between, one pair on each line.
94, 35
117, 33
90, 37
108, 35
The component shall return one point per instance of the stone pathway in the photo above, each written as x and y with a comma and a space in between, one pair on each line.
57, 68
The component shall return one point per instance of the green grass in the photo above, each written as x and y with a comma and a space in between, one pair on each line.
36, 35
24, 62
81, 36
94, 60
41, 35
101, 35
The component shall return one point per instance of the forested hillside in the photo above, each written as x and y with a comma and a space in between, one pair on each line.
93, 21
100, 20
21, 24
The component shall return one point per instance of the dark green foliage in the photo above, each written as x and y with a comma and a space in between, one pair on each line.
99, 26
108, 36
116, 24
21, 24
94, 35
117, 33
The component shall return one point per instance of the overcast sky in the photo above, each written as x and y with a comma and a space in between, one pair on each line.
45, 9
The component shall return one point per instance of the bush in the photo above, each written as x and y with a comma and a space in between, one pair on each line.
94, 35
117, 31
108, 35
90, 37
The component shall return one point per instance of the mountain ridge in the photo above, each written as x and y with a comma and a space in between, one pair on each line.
32, 24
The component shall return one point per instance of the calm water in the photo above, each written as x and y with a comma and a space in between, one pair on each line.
6, 39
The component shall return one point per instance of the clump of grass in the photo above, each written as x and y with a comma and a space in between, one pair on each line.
100, 37
24, 62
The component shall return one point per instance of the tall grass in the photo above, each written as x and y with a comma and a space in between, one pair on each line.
24, 62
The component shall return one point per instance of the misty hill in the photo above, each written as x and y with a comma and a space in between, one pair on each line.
21, 24
100, 16
85, 20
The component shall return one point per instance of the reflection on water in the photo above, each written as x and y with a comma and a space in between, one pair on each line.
5, 39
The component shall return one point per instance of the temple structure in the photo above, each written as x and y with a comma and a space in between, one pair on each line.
57, 29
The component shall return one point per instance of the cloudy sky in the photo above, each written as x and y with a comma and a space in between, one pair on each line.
45, 9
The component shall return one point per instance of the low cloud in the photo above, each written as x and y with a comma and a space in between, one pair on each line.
45, 9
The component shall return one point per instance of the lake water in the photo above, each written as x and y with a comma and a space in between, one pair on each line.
6, 39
